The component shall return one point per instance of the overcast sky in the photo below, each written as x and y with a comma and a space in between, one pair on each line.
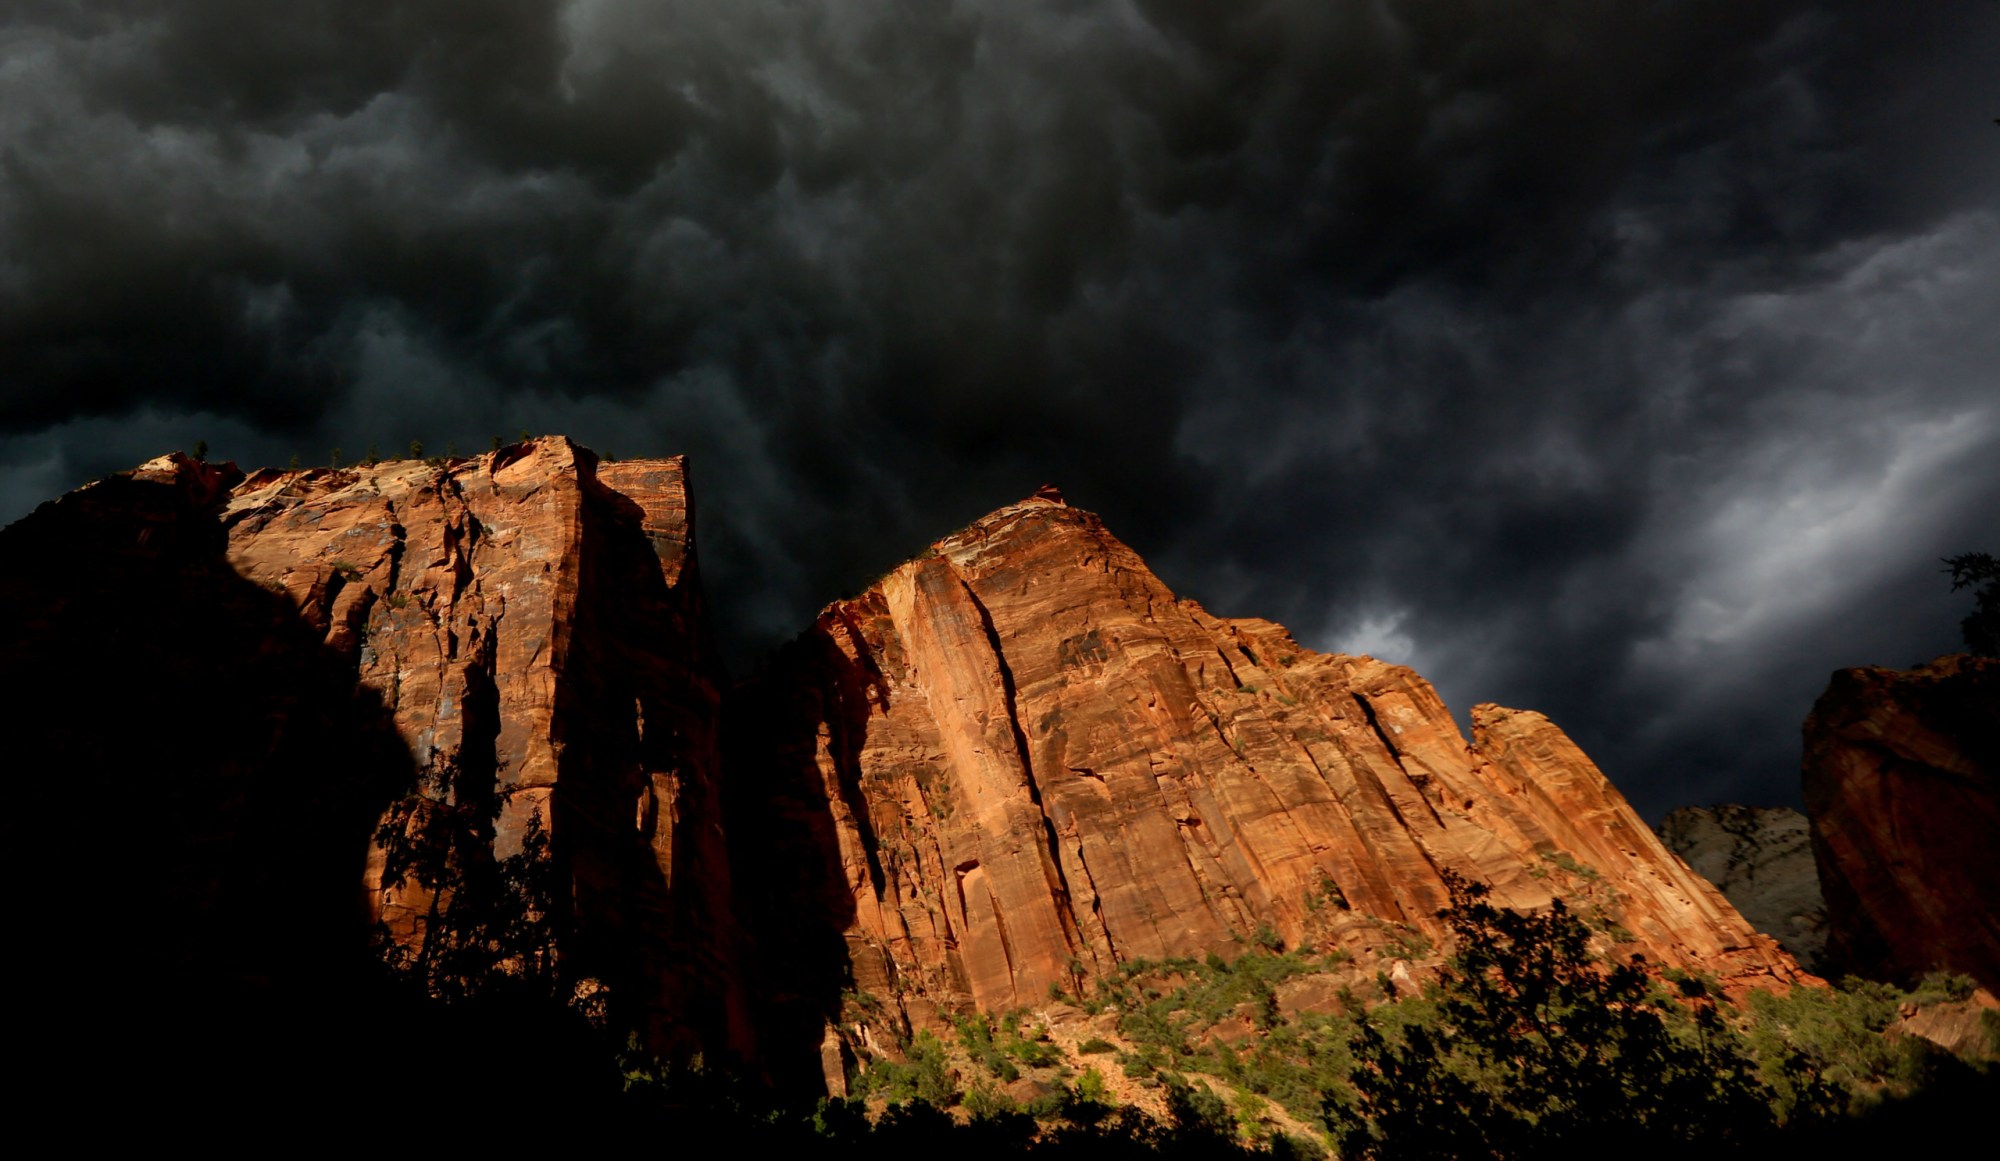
1631, 362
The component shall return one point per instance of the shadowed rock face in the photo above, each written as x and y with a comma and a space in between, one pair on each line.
1902, 782
205, 771
533, 620
530, 622
1019, 760
1762, 860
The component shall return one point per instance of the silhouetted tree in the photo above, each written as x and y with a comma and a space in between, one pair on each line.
1980, 572
489, 923
1530, 1046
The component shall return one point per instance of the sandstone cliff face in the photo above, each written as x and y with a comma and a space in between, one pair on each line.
534, 619
529, 627
203, 772
1009, 766
1902, 782
1762, 860
1019, 760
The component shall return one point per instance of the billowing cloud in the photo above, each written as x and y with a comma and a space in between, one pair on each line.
1629, 362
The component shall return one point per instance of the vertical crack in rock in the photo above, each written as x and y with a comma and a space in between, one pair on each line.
1396, 754
849, 729
1051, 856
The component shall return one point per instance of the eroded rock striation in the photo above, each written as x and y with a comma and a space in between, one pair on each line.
1902, 782
1761, 858
1019, 760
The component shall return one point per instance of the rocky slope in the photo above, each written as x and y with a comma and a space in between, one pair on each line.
1902, 782
1018, 761
1761, 858
524, 631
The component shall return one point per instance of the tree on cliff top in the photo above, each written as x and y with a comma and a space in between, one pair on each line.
1980, 572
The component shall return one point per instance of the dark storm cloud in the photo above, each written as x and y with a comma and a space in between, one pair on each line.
1629, 362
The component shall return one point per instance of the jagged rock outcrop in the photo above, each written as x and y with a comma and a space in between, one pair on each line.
1902, 783
1762, 860
526, 627
1019, 760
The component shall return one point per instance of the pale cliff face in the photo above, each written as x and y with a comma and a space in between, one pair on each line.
1761, 858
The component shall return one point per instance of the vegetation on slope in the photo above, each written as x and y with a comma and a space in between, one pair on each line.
1524, 1042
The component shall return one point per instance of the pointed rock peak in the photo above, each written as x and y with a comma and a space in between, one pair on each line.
1043, 505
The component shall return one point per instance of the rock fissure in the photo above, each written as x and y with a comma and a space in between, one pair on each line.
1051, 856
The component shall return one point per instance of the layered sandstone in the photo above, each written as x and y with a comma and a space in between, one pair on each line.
1761, 858
1902, 782
1019, 760
524, 630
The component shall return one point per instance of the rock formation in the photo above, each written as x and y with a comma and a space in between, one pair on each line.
533, 619
1010, 766
1762, 860
1019, 760
528, 625
203, 773
1902, 782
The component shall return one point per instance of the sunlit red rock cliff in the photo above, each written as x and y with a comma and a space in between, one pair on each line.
1010, 765
1019, 760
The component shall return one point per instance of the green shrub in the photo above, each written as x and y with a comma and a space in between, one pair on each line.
1532, 1047
1092, 1088
1822, 1050
1035, 1053
1141, 1065
924, 1075
976, 1037
985, 1101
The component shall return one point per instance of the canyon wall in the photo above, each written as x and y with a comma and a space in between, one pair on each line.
1019, 760
1902, 782
534, 623
1006, 768
523, 631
